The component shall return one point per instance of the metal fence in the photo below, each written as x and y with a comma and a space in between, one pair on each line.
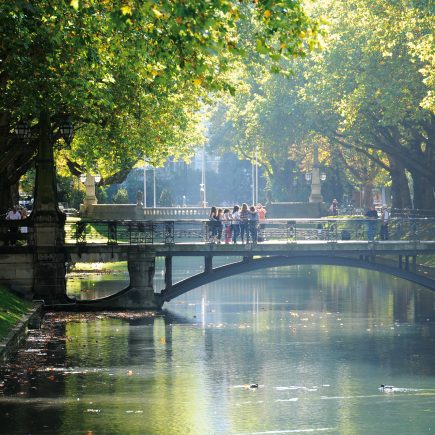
20, 233
271, 230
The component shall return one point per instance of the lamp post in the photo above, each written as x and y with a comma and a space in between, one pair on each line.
202, 186
154, 188
47, 229
254, 178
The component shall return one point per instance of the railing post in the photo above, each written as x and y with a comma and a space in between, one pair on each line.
112, 233
168, 232
291, 231
80, 233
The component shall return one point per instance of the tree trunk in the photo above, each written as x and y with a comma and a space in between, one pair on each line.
399, 185
368, 195
423, 193
8, 194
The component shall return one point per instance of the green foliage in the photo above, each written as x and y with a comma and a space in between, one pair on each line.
121, 196
166, 199
132, 76
364, 101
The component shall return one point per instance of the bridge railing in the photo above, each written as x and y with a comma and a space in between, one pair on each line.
16, 232
280, 230
20, 233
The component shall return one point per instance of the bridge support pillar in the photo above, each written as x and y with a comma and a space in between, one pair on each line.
49, 283
168, 272
141, 268
208, 264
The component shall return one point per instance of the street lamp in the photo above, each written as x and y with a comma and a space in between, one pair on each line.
66, 131
202, 188
202, 194
322, 176
23, 131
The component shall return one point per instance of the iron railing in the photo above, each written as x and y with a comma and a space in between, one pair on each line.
279, 230
144, 232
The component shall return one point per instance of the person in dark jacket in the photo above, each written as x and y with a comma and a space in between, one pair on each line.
372, 216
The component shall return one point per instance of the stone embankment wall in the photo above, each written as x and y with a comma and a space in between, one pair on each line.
10, 344
17, 272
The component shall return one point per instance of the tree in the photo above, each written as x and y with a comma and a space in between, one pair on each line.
364, 100
373, 97
130, 75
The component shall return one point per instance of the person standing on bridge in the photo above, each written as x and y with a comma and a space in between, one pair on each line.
227, 225
372, 216
219, 224
262, 219
385, 217
253, 222
235, 223
244, 223
212, 225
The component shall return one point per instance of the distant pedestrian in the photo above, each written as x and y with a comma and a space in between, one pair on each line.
385, 217
252, 223
212, 227
219, 224
244, 212
235, 223
13, 215
333, 208
227, 225
372, 216
24, 215
262, 222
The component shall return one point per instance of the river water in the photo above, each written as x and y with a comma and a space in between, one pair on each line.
318, 342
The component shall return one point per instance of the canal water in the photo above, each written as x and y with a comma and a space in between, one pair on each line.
281, 351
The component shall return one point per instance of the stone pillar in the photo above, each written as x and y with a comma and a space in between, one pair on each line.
141, 267
47, 230
315, 195
90, 197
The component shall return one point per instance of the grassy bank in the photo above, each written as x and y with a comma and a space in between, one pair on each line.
109, 267
12, 308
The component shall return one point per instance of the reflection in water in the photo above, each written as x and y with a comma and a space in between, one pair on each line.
318, 341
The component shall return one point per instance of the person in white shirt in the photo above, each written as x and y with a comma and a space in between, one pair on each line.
13, 215
385, 217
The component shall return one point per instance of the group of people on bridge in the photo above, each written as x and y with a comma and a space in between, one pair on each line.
246, 222
372, 217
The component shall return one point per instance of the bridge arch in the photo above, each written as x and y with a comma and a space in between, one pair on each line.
232, 269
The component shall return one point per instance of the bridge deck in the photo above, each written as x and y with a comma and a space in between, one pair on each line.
307, 247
